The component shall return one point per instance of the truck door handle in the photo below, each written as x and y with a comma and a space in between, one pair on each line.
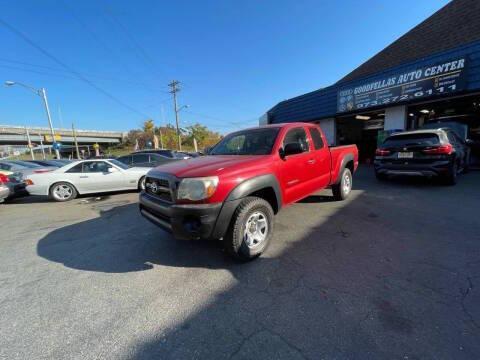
311, 161
84, 177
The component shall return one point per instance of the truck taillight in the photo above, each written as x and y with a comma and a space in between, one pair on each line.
382, 152
440, 150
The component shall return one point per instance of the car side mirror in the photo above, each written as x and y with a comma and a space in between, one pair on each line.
111, 170
469, 141
207, 150
292, 149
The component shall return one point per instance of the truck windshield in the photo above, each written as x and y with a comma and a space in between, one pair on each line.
248, 142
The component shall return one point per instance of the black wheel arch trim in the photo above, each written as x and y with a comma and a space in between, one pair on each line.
343, 164
254, 184
241, 191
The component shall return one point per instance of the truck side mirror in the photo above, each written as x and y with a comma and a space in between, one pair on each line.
469, 142
292, 149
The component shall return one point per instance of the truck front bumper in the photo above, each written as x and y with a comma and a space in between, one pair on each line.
185, 222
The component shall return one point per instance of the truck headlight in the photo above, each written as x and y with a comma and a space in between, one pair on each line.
196, 189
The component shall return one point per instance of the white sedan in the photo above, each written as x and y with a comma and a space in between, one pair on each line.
85, 177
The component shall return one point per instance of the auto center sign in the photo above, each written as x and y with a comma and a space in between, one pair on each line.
436, 79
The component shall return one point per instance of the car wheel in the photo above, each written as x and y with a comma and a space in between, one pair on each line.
250, 230
141, 183
63, 191
451, 177
344, 187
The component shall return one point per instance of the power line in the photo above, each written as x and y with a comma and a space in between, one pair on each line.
223, 121
97, 77
106, 47
73, 71
140, 49
37, 72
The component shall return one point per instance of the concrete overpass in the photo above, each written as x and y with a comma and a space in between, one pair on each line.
16, 135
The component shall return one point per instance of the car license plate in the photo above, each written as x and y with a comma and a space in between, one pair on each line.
405, 155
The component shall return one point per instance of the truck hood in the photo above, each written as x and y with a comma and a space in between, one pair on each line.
213, 165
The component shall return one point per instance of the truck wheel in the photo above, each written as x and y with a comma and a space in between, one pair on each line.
344, 186
250, 230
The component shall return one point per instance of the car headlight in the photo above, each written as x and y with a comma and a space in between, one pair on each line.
196, 189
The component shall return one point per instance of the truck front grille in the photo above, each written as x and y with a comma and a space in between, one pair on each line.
159, 188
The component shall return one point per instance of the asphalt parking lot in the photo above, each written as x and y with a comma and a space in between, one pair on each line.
394, 272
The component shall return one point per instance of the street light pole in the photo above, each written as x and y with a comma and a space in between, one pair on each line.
43, 93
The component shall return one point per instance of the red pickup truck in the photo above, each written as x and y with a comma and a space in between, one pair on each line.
234, 192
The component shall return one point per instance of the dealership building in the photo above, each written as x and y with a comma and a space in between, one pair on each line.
429, 75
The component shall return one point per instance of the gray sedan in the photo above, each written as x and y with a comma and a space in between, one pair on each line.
24, 168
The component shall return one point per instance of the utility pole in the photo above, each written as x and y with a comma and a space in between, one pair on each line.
76, 143
174, 85
29, 143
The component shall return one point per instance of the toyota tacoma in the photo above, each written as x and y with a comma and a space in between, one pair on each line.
233, 193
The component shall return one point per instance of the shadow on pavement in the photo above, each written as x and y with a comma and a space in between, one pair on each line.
29, 199
372, 278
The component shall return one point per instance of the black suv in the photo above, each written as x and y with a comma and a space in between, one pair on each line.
173, 154
432, 153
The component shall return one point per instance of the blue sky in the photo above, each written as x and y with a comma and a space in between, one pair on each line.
235, 59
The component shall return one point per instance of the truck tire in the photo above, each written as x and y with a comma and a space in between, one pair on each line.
344, 186
250, 230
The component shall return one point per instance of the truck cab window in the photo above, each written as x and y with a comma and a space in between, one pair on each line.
297, 135
317, 138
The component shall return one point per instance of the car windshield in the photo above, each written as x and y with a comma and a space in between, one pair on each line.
119, 164
419, 139
248, 142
